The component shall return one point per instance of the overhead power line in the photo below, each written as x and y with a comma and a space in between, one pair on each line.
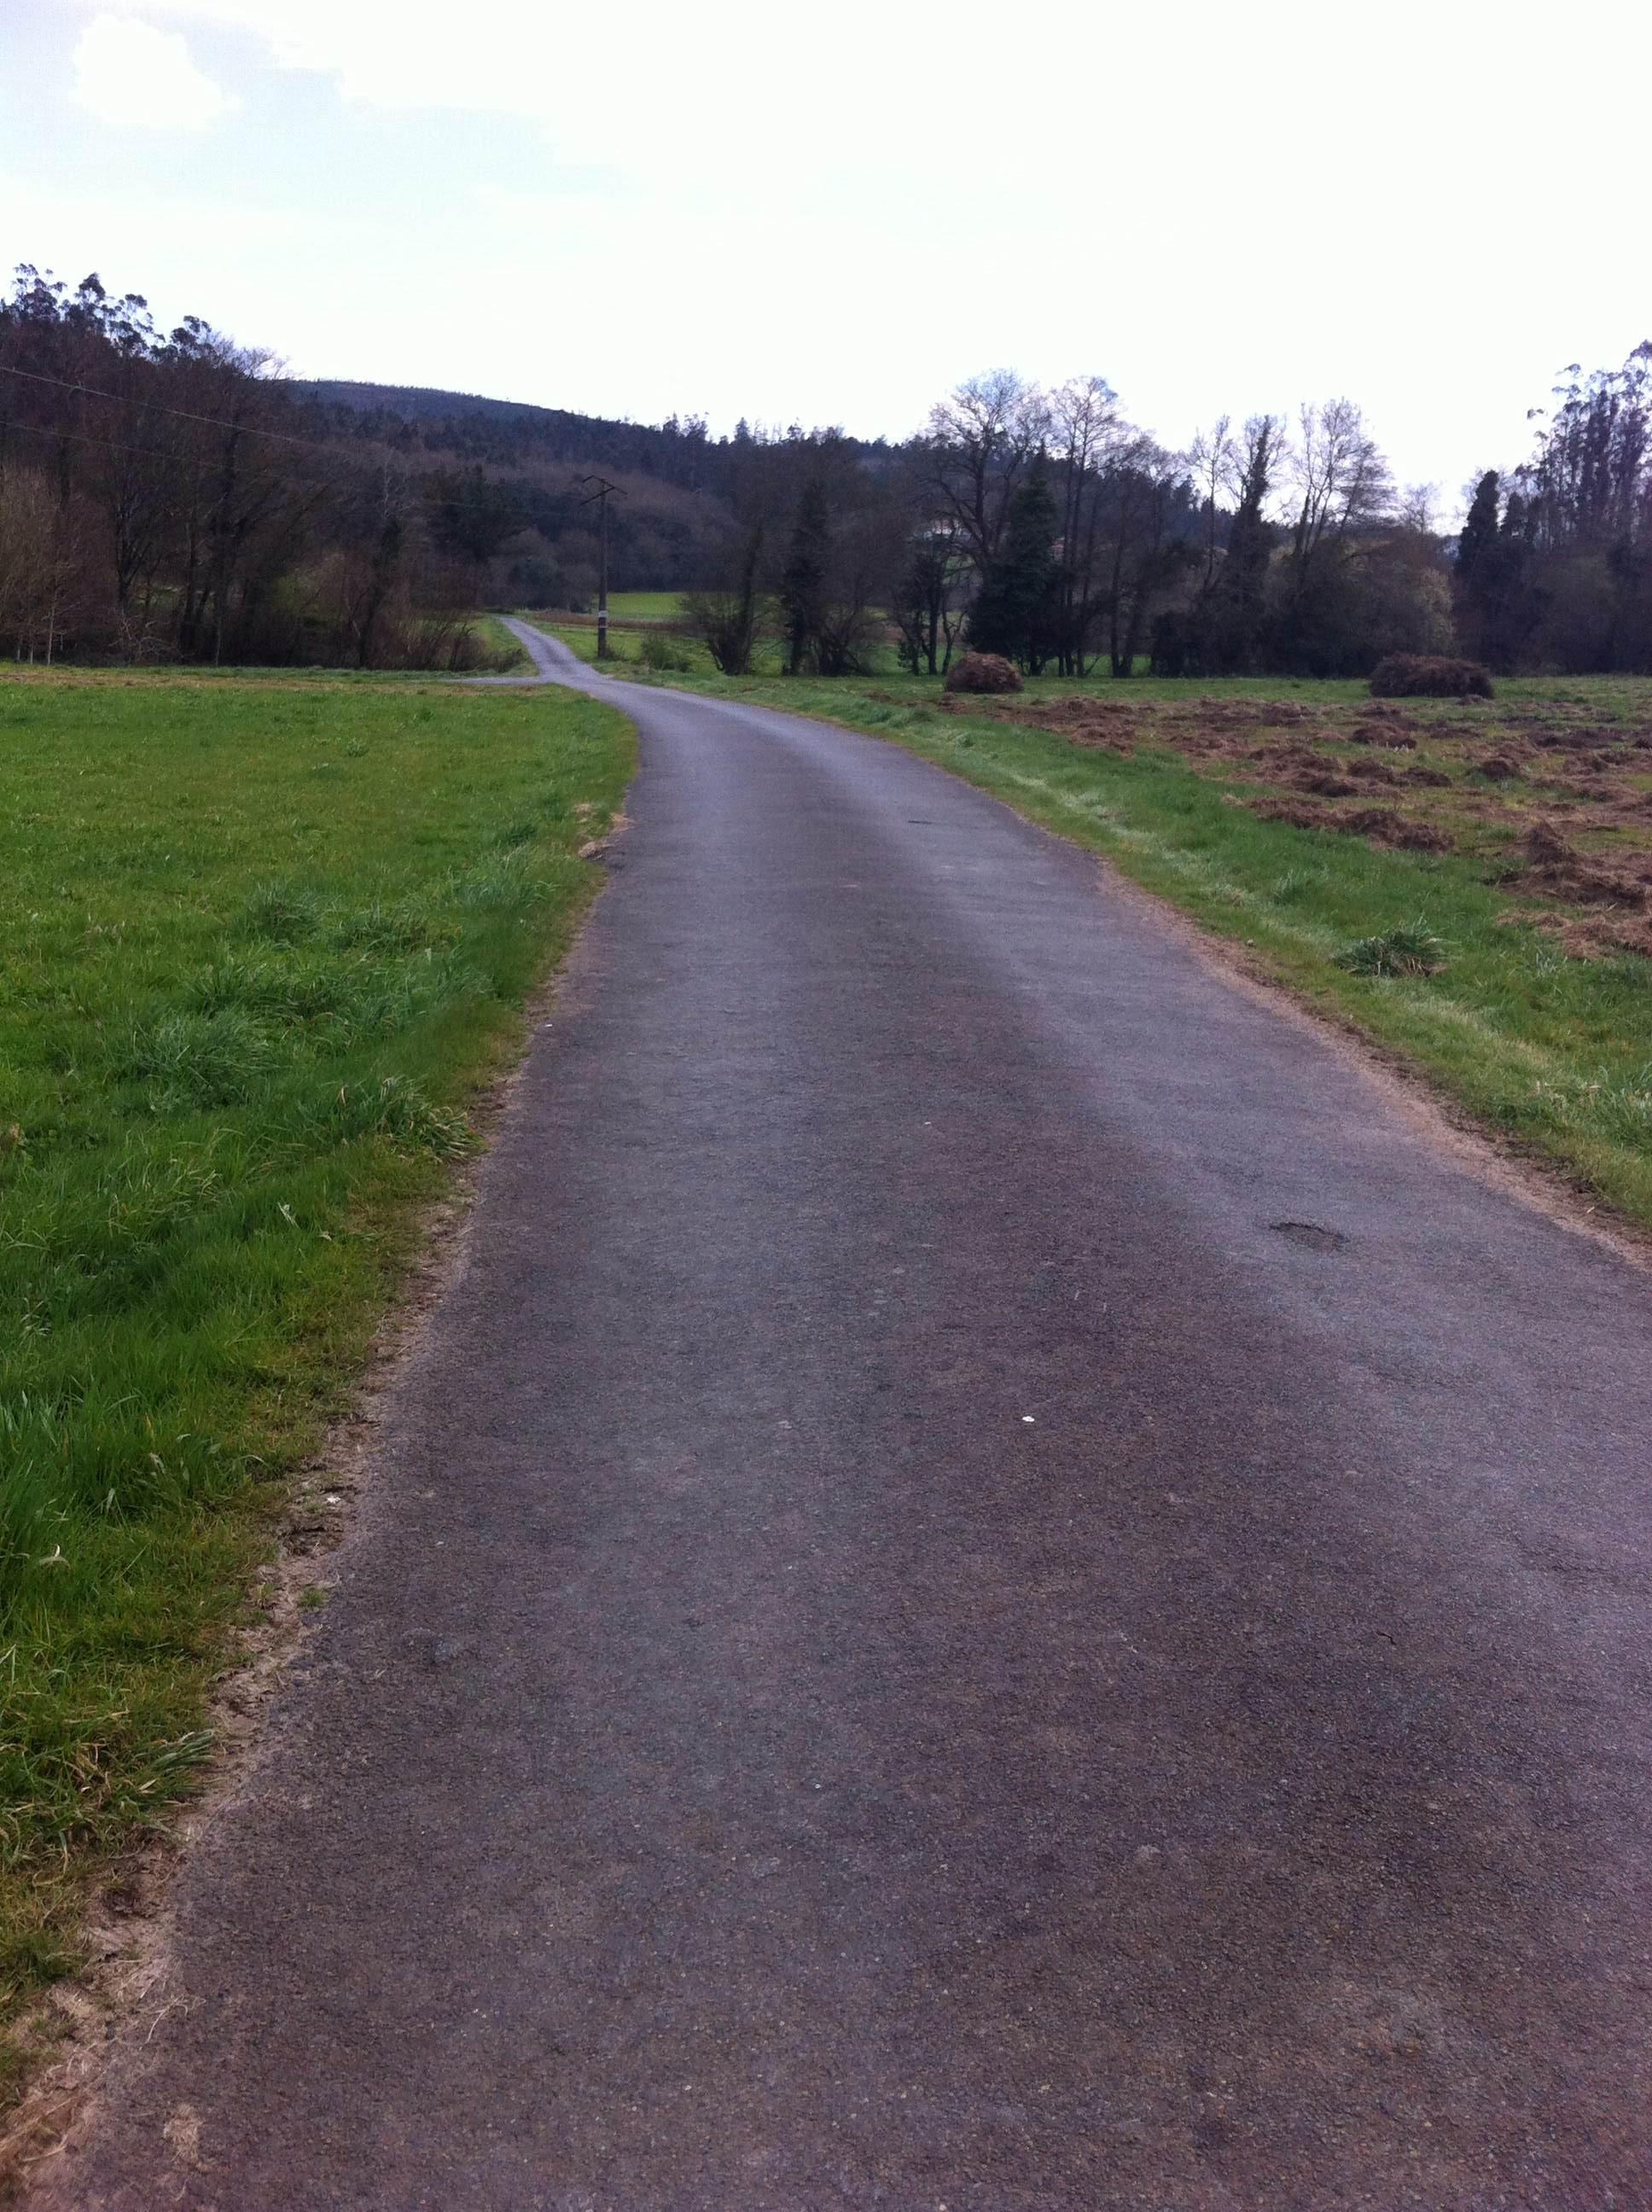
187, 414
157, 407
183, 460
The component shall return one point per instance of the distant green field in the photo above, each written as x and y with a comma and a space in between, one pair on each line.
627, 646
645, 606
633, 607
260, 943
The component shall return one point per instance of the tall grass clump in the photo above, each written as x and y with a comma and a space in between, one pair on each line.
1410, 949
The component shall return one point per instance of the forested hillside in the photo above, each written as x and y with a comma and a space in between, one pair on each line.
508, 433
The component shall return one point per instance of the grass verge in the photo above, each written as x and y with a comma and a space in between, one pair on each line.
507, 654
1553, 1053
263, 942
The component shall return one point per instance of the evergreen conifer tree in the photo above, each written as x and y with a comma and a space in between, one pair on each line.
1479, 528
803, 580
1017, 609
1234, 618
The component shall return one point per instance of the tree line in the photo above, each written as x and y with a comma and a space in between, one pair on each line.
165, 494
161, 497
1554, 563
1042, 525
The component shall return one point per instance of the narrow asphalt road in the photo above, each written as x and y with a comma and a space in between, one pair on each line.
914, 1647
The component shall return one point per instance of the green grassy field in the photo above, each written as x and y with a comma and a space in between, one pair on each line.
626, 646
1552, 1052
263, 943
628, 607
645, 606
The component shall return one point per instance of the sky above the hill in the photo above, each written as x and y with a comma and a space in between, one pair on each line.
833, 213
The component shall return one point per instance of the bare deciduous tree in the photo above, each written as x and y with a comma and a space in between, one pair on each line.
1340, 476
931, 590
44, 566
978, 445
1086, 434
726, 619
1215, 465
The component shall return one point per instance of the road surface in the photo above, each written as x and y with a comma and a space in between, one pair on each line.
998, 1588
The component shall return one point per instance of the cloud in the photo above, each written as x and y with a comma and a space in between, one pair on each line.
127, 72
737, 94
835, 214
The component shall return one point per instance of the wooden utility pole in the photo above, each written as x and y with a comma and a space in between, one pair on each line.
599, 498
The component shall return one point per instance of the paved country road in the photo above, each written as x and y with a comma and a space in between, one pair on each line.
913, 1647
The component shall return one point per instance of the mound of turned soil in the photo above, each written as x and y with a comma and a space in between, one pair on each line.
1384, 827
1617, 931
982, 672
1429, 676
1555, 866
1056, 714
1098, 725
1568, 738
1380, 825
1241, 714
1379, 724
1297, 813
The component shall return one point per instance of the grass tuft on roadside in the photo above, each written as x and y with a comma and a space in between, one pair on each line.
1410, 949
262, 944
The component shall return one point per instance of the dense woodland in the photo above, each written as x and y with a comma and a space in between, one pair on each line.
166, 495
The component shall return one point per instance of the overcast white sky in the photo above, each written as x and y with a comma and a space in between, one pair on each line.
833, 213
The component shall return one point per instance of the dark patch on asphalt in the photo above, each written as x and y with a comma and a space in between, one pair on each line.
975, 1690
1310, 1233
